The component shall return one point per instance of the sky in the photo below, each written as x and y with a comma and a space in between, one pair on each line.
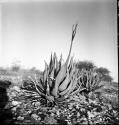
31, 30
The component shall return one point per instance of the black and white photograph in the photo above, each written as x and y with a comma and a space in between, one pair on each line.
58, 62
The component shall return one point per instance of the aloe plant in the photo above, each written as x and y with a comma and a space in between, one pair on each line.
90, 82
59, 80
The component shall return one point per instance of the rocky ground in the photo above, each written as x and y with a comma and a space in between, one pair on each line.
27, 107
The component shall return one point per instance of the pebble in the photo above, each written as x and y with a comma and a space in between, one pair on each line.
15, 103
16, 88
78, 114
39, 118
20, 118
37, 104
35, 116
90, 115
52, 114
14, 109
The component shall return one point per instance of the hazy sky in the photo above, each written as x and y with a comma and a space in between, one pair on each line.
30, 31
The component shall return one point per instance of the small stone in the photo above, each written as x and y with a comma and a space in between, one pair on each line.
39, 118
16, 103
13, 94
20, 118
29, 111
52, 114
37, 104
82, 110
90, 115
14, 109
78, 114
16, 88
58, 113
70, 106
34, 116
77, 106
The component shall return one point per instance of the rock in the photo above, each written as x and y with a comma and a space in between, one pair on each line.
52, 114
12, 94
77, 106
78, 114
20, 118
16, 103
82, 110
39, 118
37, 104
90, 115
16, 88
35, 116
57, 112
70, 106
14, 109
50, 120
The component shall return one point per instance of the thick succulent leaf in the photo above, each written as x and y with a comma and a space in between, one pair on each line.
70, 64
51, 78
57, 66
71, 79
39, 83
48, 89
51, 61
54, 60
61, 75
64, 84
45, 74
74, 82
60, 61
70, 88
73, 70
67, 89
51, 75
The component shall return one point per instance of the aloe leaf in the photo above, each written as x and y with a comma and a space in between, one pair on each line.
69, 89
59, 78
57, 65
66, 90
51, 77
73, 70
45, 74
50, 64
38, 83
52, 73
74, 82
48, 89
64, 84
71, 79
60, 61
71, 65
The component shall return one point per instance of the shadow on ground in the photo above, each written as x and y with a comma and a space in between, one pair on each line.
6, 116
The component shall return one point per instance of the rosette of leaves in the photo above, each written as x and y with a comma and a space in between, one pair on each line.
59, 80
90, 83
